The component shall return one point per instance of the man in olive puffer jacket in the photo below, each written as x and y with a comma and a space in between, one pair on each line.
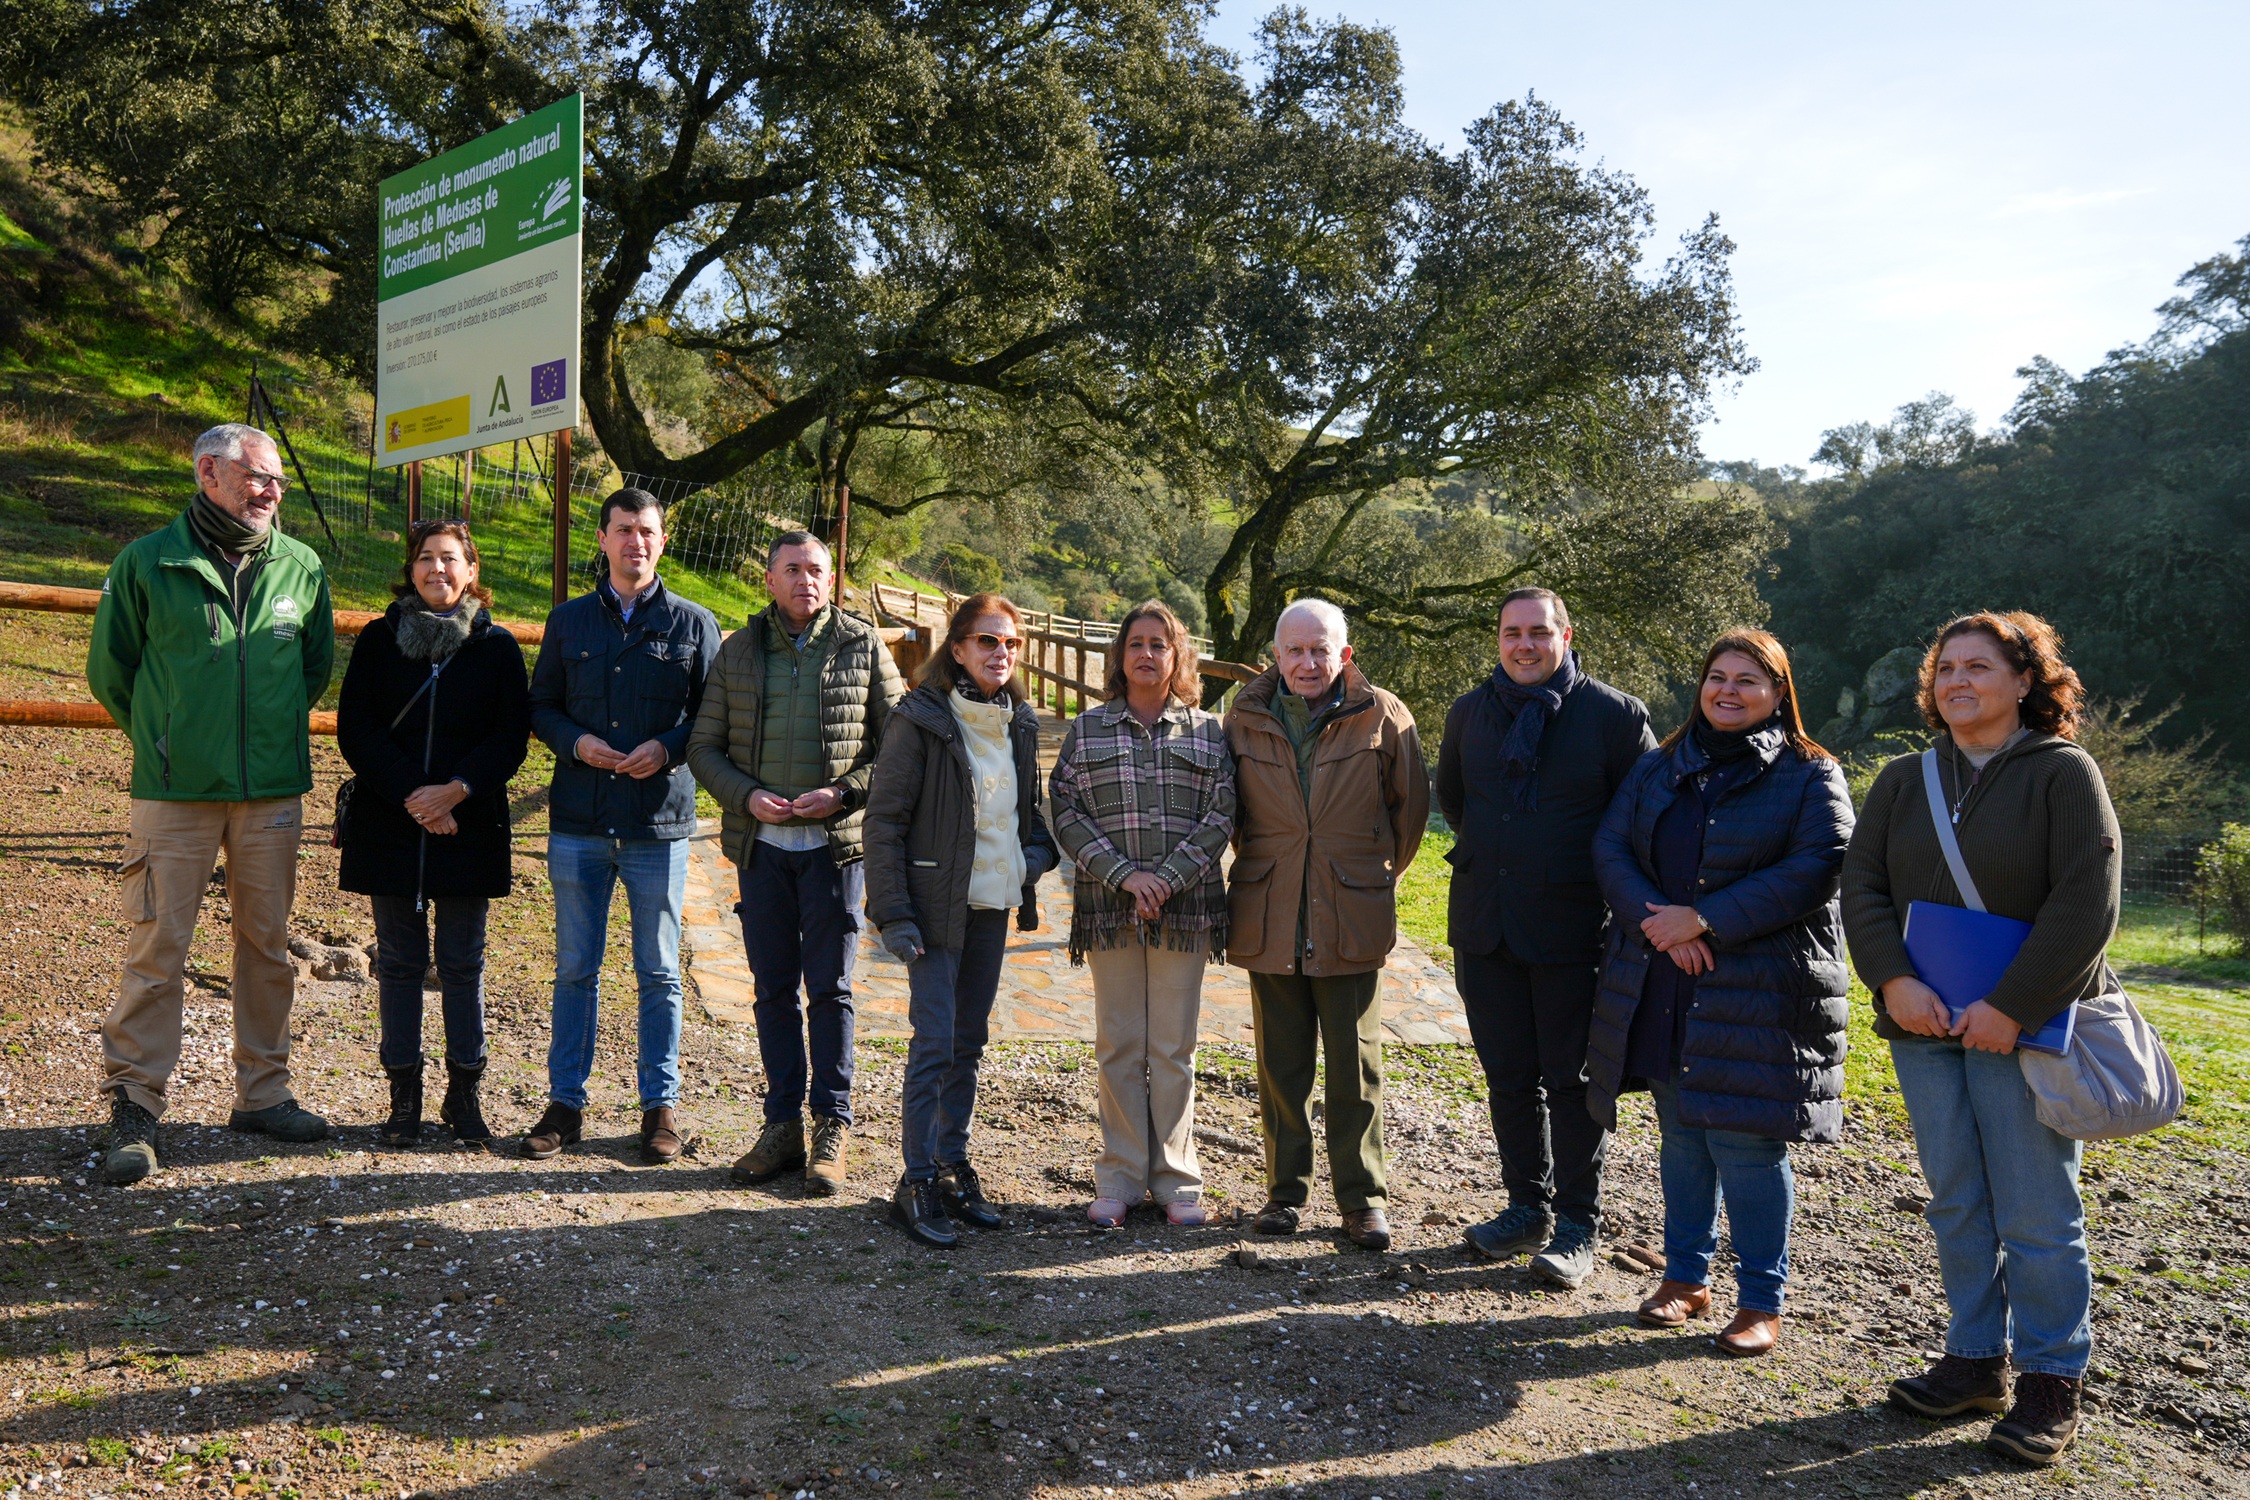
785, 742
213, 638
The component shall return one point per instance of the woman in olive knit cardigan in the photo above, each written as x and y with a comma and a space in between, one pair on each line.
2040, 841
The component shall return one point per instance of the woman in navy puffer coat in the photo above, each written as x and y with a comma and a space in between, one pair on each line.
1723, 990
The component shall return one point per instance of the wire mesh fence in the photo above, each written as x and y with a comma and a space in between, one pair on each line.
2159, 868
354, 512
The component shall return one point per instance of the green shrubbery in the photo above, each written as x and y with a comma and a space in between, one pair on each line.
2222, 879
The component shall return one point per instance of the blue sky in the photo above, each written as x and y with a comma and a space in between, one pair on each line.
1923, 196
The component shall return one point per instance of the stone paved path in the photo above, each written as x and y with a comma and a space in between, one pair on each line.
1042, 997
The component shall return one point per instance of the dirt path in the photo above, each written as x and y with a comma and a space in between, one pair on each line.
331, 1320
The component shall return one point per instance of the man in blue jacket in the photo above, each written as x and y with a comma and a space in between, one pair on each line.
619, 679
1530, 761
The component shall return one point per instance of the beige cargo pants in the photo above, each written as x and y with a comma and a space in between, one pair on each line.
169, 855
1147, 1000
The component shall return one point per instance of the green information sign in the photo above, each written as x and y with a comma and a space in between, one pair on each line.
478, 293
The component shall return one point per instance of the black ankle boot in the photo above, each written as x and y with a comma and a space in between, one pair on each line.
404, 1127
460, 1109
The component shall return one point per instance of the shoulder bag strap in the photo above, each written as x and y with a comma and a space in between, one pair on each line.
1945, 836
418, 692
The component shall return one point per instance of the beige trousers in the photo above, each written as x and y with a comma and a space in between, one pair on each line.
1146, 1004
168, 861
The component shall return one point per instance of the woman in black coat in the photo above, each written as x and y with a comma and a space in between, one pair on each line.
954, 838
1723, 989
434, 718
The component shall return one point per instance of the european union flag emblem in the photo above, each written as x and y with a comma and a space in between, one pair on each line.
547, 382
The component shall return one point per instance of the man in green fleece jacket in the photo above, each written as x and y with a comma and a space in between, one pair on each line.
214, 637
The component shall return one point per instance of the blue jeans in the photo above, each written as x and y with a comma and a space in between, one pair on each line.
2004, 1204
402, 957
1752, 1173
585, 870
800, 916
949, 1005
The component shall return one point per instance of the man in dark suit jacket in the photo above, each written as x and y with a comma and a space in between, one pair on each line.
1527, 769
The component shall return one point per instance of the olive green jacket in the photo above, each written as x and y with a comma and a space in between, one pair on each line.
858, 685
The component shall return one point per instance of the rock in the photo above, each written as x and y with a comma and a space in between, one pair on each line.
2190, 1364
1228, 1141
1910, 1203
1248, 1257
1069, 1444
1415, 1275
1437, 1219
1626, 1263
2109, 1278
339, 963
303, 947
2155, 1263
1902, 1288
1652, 1258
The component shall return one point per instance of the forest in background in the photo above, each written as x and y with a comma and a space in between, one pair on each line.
1079, 304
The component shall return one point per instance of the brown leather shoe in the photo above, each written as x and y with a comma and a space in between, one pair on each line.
824, 1163
560, 1126
1750, 1334
660, 1134
1672, 1304
1367, 1228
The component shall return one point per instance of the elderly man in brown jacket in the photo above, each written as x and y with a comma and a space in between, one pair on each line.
1332, 800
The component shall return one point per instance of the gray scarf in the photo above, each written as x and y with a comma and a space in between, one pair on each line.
427, 636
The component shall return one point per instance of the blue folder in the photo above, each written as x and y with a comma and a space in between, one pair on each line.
1962, 954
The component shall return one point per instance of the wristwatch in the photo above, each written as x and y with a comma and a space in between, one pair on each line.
1703, 921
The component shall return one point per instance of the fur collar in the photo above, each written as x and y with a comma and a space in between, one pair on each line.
434, 638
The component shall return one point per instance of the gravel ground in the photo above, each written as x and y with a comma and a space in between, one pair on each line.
335, 1320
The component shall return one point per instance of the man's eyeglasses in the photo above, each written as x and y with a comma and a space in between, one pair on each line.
261, 480
987, 641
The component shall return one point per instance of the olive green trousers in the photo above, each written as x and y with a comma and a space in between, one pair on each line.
1295, 1018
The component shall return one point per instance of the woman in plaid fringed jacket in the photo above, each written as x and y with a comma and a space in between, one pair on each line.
1143, 802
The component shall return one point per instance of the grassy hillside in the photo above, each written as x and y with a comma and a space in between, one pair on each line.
106, 375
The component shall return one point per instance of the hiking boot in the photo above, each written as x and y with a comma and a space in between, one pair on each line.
2042, 1424
1569, 1257
404, 1127
286, 1121
1367, 1228
132, 1142
915, 1209
961, 1195
780, 1148
1507, 1234
824, 1162
1276, 1218
1955, 1385
462, 1111
660, 1135
560, 1126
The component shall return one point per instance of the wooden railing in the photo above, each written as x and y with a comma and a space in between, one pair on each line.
1064, 658
908, 646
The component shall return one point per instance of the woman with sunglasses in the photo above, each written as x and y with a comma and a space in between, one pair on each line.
434, 718
954, 838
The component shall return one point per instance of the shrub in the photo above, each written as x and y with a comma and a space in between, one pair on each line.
110, 1453
2222, 879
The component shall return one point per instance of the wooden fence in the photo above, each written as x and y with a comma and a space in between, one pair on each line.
1063, 657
